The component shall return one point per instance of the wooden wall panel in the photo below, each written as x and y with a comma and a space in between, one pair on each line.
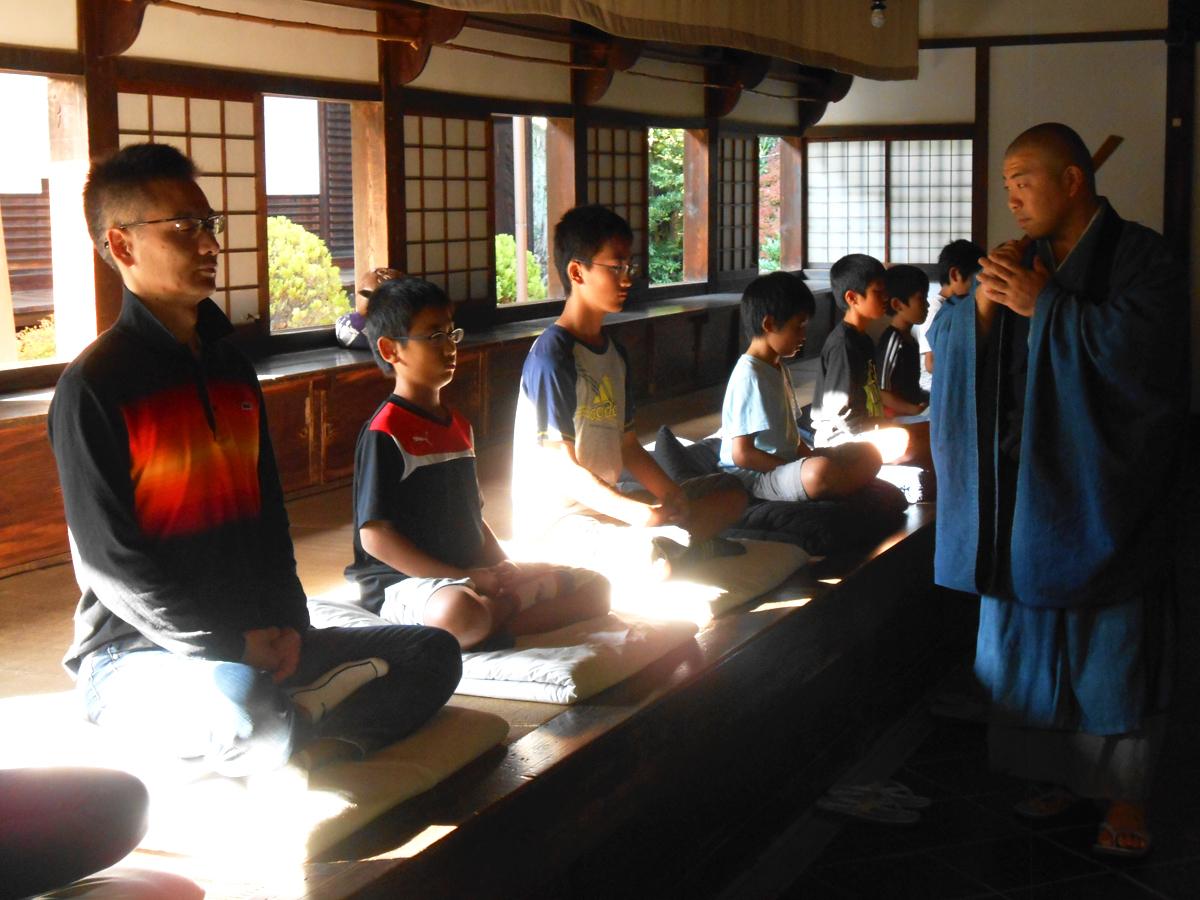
289, 416
635, 338
719, 345
504, 365
465, 392
345, 402
32, 522
673, 360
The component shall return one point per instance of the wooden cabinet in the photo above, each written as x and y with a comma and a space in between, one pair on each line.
502, 387
346, 399
673, 360
315, 417
32, 522
467, 392
290, 418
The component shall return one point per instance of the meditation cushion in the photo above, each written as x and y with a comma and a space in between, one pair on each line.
820, 527
272, 821
561, 666
571, 663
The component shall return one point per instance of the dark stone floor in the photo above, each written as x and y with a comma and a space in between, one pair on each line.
969, 844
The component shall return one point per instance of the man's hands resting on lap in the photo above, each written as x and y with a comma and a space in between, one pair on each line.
272, 649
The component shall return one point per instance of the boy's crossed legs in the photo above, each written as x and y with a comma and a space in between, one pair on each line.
524, 599
827, 474
239, 722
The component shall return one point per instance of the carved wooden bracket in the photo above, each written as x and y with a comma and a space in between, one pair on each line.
613, 53
401, 63
114, 25
816, 92
736, 71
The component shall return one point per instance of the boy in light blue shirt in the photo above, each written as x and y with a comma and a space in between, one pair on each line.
760, 441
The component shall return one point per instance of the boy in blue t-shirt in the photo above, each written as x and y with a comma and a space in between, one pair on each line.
897, 356
574, 429
423, 553
760, 442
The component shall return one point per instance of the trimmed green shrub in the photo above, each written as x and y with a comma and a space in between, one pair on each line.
666, 205
306, 287
37, 341
506, 271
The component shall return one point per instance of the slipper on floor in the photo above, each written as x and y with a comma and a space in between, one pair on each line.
1048, 804
1115, 848
901, 794
870, 808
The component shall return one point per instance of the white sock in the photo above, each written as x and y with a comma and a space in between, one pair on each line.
336, 685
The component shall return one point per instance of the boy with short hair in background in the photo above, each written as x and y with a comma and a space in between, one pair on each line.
897, 358
574, 429
957, 264
423, 553
760, 441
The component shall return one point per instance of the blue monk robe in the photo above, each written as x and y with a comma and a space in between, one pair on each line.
1055, 443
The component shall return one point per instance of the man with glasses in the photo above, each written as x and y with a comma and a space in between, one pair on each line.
192, 634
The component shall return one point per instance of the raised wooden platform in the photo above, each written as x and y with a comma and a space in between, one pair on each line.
670, 782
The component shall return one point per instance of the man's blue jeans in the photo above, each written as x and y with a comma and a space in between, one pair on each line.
232, 716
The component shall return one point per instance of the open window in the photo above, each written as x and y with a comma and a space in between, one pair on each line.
310, 211
534, 184
47, 299
677, 217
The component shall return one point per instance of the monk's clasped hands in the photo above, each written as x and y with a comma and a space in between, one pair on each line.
1005, 281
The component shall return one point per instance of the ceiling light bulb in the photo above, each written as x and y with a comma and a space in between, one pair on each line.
877, 10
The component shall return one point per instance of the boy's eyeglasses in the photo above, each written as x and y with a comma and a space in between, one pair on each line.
189, 225
624, 270
438, 337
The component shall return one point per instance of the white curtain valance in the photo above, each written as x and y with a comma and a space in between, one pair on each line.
834, 34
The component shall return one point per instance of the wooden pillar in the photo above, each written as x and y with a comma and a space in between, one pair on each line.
100, 87
695, 204
521, 204
791, 202
714, 201
74, 285
369, 174
1179, 152
979, 147
560, 189
8, 325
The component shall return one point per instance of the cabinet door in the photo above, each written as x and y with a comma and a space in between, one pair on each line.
673, 365
289, 418
465, 393
346, 402
720, 344
504, 364
33, 525
634, 337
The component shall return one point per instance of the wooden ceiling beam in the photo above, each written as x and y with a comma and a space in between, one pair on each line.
736, 71
402, 63
611, 54
120, 22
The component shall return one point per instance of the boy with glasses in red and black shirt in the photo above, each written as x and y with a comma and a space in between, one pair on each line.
423, 553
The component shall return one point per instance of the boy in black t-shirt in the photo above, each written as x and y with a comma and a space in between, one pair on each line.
897, 358
846, 398
423, 553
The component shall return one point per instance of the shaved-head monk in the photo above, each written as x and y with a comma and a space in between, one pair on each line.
1057, 420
